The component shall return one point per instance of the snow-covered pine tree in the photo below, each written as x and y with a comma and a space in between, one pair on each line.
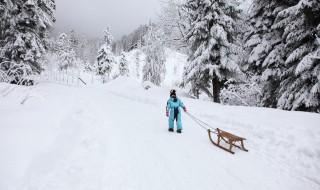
65, 52
74, 39
46, 10
24, 30
123, 65
266, 48
105, 59
211, 36
5, 17
154, 68
300, 82
79, 44
137, 55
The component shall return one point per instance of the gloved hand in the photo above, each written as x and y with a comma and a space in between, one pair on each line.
184, 109
167, 113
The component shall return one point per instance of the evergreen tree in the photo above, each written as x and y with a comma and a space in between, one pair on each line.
154, 68
123, 65
79, 43
137, 55
300, 82
105, 59
66, 54
5, 27
23, 31
74, 39
281, 46
212, 38
266, 49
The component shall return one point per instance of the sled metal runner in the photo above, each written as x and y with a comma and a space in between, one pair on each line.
228, 138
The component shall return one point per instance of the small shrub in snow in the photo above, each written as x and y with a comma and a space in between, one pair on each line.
147, 85
241, 93
16, 73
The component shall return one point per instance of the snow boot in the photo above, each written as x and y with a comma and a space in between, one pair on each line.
179, 131
170, 130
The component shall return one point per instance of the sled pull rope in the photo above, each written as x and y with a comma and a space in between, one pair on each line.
202, 124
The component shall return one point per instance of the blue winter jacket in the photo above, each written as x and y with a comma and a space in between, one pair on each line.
173, 107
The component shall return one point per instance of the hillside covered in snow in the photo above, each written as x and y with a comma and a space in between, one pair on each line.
114, 136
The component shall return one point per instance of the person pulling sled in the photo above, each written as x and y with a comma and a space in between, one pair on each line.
173, 111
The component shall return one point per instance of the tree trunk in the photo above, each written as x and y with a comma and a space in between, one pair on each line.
216, 87
197, 93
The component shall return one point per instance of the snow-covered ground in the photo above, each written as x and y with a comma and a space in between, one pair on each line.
114, 136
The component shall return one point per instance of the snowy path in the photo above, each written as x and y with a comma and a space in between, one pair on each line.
111, 137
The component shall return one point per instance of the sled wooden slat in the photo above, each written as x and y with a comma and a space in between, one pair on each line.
228, 138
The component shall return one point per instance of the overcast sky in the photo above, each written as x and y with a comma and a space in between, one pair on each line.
91, 17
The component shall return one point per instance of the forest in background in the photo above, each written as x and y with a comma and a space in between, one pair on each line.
268, 55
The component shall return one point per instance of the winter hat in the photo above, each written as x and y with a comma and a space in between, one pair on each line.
173, 93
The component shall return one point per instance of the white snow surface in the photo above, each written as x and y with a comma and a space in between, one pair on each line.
114, 136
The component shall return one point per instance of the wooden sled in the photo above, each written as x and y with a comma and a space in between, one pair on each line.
228, 138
